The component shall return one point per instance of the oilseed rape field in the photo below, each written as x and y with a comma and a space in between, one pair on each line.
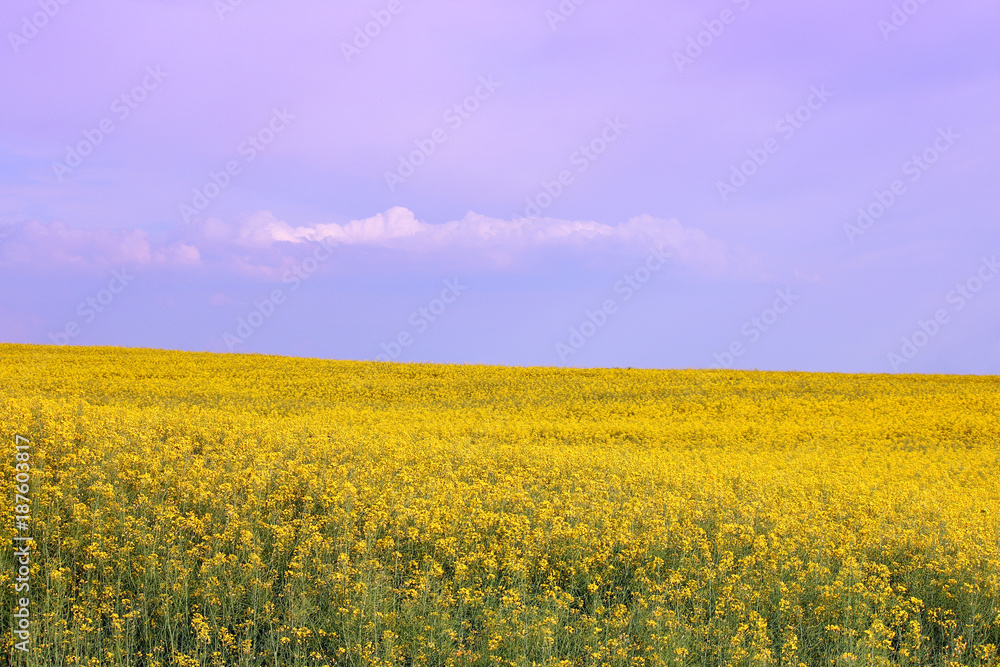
196, 509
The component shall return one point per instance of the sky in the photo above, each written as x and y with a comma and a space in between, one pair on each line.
723, 184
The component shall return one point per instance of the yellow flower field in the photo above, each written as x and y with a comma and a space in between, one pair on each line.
200, 509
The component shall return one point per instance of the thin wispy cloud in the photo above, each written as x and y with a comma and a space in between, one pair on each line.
262, 241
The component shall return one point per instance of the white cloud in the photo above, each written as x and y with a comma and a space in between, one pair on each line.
262, 244
398, 228
57, 244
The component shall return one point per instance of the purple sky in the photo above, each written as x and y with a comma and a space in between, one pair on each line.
644, 184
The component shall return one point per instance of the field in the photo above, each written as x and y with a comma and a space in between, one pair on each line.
199, 509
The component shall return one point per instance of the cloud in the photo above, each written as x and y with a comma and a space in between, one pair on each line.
399, 229
57, 244
261, 244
